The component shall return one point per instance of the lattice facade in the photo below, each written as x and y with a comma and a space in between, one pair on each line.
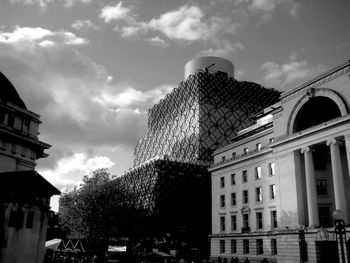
200, 115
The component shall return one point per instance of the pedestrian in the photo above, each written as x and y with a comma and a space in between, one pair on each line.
225, 260
264, 261
219, 260
246, 260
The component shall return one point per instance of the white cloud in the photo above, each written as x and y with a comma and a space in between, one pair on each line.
117, 12
84, 25
281, 75
222, 49
40, 35
45, 3
157, 41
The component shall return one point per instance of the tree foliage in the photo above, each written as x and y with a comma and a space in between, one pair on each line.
99, 210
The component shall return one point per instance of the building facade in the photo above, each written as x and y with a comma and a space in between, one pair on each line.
170, 167
276, 185
24, 194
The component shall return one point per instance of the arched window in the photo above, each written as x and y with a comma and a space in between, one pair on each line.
315, 111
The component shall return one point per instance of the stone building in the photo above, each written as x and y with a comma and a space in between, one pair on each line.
276, 185
24, 194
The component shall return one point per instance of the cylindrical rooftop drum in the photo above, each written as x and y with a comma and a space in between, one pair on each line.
213, 64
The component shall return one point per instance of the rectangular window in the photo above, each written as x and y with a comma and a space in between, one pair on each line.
259, 247
272, 191
30, 217
222, 200
10, 120
233, 223
223, 158
259, 194
234, 155
259, 220
258, 146
233, 199
233, 246
222, 246
244, 176
274, 219
233, 179
16, 218
258, 173
274, 246
222, 182
245, 197
321, 187
271, 140
246, 222
222, 224
245, 246
271, 169
14, 148
245, 151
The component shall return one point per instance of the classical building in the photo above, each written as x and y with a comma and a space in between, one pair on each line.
24, 194
276, 185
170, 173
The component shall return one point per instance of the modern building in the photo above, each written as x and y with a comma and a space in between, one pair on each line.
24, 194
276, 185
170, 173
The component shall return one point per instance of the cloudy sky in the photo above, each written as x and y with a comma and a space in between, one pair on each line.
92, 68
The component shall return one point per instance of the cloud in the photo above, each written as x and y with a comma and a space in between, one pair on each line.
117, 12
84, 25
157, 41
281, 75
44, 3
44, 37
69, 171
83, 109
222, 49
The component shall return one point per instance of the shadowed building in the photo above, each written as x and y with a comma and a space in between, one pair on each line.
280, 179
170, 167
24, 194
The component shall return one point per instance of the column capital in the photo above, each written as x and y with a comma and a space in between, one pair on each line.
332, 141
306, 149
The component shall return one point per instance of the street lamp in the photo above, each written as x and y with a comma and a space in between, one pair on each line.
339, 228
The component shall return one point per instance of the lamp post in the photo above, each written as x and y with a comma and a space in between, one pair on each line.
339, 228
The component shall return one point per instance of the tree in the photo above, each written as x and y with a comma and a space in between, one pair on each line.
100, 209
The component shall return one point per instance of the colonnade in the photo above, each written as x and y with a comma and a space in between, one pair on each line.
338, 182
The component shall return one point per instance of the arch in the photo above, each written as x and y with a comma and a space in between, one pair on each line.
312, 97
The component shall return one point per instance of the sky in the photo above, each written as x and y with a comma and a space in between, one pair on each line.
92, 69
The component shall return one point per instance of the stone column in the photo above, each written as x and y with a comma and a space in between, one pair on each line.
311, 193
338, 178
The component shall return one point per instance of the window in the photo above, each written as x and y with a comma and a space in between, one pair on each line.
259, 247
10, 120
272, 191
271, 169
258, 146
222, 182
14, 148
222, 200
245, 246
259, 194
16, 218
222, 246
223, 159
274, 219
234, 155
233, 179
271, 140
245, 151
274, 246
233, 199
25, 127
244, 176
245, 197
325, 216
233, 246
222, 224
30, 217
259, 220
321, 187
246, 222
233, 222
258, 173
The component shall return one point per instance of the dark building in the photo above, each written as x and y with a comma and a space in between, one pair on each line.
170, 173
24, 194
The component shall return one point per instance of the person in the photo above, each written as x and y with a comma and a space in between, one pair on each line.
219, 260
225, 260
264, 261
246, 260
